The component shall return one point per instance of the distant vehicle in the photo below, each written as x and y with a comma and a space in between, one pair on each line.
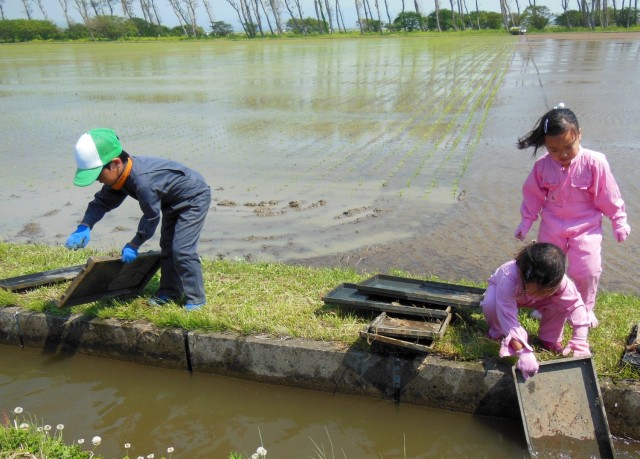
517, 30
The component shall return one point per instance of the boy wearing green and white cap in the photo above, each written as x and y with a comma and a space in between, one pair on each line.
169, 194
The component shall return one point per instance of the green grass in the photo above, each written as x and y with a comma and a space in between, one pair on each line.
281, 300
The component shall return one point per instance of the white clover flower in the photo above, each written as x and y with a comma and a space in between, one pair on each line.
150, 456
80, 441
170, 449
40, 429
47, 428
140, 457
24, 426
127, 445
96, 440
17, 410
261, 451
254, 456
60, 426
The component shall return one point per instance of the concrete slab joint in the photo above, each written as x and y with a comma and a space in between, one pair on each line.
480, 388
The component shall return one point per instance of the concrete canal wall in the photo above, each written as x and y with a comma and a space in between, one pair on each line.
483, 388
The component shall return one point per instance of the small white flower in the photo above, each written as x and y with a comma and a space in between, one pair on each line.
170, 449
140, 457
127, 445
40, 429
254, 456
80, 441
261, 451
24, 426
60, 426
47, 428
150, 456
96, 440
17, 410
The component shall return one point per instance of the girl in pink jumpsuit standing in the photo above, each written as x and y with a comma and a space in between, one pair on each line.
571, 188
535, 279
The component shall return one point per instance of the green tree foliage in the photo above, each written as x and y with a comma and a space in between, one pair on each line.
409, 21
112, 27
307, 26
15, 30
147, 29
221, 29
371, 25
446, 20
537, 17
571, 18
626, 17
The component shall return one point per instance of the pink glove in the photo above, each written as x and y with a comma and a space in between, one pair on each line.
527, 363
578, 342
505, 349
622, 233
593, 320
522, 229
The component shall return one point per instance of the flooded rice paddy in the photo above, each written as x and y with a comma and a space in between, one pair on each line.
374, 153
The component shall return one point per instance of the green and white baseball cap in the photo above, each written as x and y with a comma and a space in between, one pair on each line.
94, 150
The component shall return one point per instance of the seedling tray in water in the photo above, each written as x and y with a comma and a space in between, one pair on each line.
562, 410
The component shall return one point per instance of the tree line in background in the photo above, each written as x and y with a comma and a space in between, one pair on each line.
277, 17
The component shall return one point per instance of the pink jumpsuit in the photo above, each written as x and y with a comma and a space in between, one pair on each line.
504, 295
571, 202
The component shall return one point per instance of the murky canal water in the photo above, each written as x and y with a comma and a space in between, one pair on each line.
208, 416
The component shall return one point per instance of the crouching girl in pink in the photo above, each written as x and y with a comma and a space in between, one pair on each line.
571, 188
535, 279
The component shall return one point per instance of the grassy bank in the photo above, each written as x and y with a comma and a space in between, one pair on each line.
280, 300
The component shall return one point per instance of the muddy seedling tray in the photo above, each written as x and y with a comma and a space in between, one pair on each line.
405, 332
562, 410
106, 277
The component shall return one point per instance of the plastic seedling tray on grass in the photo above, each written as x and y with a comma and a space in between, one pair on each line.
562, 410
28, 281
425, 291
350, 296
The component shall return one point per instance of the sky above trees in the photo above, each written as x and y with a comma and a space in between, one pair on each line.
14, 9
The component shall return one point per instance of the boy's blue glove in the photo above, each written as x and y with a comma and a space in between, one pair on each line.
129, 253
79, 238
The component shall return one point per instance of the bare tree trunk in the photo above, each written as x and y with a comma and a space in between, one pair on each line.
293, 17
266, 15
233, 5
437, 5
209, 10
126, 8
358, 4
453, 16
27, 9
256, 12
156, 13
477, 15
320, 15
461, 14
327, 7
83, 8
340, 17
378, 11
277, 14
386, 7
246, 12
65, 10
41, 7
506, 14
177, 10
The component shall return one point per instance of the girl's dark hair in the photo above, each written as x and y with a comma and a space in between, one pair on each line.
542, 263
555, 122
